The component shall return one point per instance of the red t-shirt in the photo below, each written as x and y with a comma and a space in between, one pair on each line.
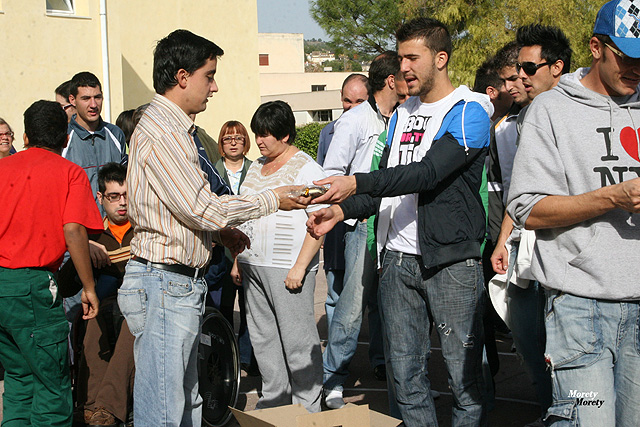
40, 191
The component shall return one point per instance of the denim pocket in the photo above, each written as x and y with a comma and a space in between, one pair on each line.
180, 289
574, 331
133, 305
464, 274
563, 412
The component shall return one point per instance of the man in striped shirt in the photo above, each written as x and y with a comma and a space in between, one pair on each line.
176, 218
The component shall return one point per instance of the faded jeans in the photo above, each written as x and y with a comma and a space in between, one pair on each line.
359, 282
164, 313
593, 348
453, 297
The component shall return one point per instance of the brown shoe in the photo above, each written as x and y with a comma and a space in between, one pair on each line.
102, 418
81, 415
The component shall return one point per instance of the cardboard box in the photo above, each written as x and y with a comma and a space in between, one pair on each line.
296, 416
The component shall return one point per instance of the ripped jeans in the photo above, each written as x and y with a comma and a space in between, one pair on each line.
411, 297
593, 348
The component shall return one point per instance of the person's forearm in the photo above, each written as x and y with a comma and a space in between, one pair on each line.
564, 211
310, 247
78, 245
505, 229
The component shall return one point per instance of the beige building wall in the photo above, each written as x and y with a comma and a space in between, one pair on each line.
42, 50
285, 50
280, 83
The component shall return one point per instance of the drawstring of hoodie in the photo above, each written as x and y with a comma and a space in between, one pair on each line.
464, 137
635, 128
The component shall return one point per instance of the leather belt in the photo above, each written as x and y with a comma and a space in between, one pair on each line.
196, 273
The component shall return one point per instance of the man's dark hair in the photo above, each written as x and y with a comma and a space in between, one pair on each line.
552, 41
487, 75
506, 56
357, 76
83, 79
64, 90
434, 33
111, 172
274, 118
45, 124
384, 65
180, 50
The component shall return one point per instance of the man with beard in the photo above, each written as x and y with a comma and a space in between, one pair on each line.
431, 224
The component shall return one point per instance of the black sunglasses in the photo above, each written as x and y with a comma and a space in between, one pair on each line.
530, 68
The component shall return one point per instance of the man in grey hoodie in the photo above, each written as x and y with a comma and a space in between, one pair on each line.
575, 181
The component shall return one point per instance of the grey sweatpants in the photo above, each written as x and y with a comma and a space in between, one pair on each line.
284, 337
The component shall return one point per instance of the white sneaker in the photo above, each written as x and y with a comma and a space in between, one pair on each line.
333, 399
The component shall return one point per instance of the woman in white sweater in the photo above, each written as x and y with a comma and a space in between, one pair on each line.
278, 272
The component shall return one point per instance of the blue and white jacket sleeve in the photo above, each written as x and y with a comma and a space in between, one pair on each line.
463, 136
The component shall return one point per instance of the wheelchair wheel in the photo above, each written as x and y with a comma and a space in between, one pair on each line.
218, 368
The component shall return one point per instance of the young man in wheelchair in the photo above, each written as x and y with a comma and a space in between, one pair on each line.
105, 370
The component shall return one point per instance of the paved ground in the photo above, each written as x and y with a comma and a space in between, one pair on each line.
515, 404
515, 400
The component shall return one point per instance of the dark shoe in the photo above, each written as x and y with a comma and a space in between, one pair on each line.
251, 369
102, 418
380, 372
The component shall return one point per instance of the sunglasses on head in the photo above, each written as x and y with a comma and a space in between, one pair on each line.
530, 68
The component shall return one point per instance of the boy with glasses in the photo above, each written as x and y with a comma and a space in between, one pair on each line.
105, 376
545, 54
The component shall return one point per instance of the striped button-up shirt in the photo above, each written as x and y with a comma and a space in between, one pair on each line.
170, 205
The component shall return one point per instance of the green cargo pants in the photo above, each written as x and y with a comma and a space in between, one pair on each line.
33, 350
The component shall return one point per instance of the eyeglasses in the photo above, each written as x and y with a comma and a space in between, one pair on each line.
7, 134
626, 59
115, 197
530, 68
239, 139
66, 107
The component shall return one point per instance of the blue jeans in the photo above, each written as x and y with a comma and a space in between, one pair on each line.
164, 312
335, 282
411, 297
593, 349
526, 319
359, 282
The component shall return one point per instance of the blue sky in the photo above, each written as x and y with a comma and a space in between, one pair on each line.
288, 16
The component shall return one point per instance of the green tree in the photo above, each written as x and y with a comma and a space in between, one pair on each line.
358, 26
307, 138
479, 28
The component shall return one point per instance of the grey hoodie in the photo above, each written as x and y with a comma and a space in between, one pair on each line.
574, 141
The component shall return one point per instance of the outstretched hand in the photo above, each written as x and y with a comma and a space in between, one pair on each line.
290, 198
341, 188
322, 221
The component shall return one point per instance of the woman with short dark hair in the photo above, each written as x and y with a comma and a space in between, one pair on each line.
278, 271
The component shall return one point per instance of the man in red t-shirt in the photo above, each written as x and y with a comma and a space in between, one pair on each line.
47, 209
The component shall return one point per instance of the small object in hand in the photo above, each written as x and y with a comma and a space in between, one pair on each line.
314, 191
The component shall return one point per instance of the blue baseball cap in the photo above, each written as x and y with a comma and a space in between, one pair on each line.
620, 20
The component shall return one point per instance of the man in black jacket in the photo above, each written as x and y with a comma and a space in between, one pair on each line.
431, 224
